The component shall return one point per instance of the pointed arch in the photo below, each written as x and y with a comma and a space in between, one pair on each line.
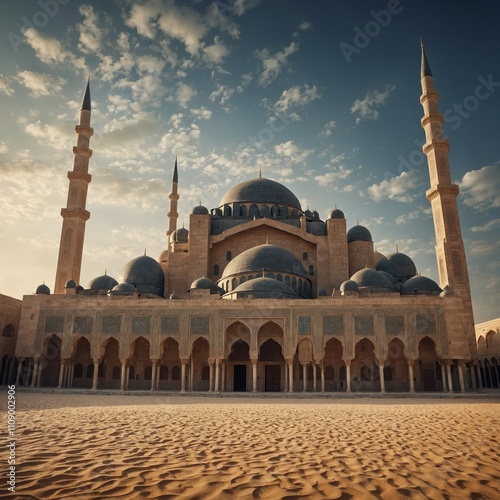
139, 350
170, 358
81, 357
333, 364
200, 352
51, 361
396, 374
428, 375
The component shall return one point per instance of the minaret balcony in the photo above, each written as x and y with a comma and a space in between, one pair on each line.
440, 189
87, 131
432, 118
427, 96
79, 176
85, 152
442, 144
75, 213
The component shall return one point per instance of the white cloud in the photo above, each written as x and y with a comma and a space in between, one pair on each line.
486, 227
292, 152
5, 85
296, 96
272, 64
481, 188
241, 6
328, 129
40, 84
3, 147
202, 113
90, 33
305, 25
329, 178
184, 94
215, 53
397, 188
222, 94
367, 108
58, 135
403, 219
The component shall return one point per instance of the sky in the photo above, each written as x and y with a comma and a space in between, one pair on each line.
322, 95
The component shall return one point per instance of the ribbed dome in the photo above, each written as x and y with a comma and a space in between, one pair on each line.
103, 282
374, 279
145, 274
261, 190
399, 265
420, 285
42, 289
358, 233
265, 258
264, 288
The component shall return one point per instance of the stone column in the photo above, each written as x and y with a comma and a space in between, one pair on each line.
443, 374
61, 374
304, 378
254, 375
71, 373
123, 376
381, 374
479, 378
286, 377
211, 379
35, 373
348, 375
19, 369
411, 376
223, 376
153, 375
217, 375
183, 375
448, 371
39, 377
461, 376
191, 376
127, 377
157, 381
322, 367
314, 375
290, 376
96, 374
472, 371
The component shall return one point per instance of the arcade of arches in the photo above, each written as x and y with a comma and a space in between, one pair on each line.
251, 363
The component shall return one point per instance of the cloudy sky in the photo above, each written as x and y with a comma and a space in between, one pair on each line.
323, 95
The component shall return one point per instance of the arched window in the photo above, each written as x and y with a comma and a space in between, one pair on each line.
8, 331
305, 256
243, 211
216, 270
279, 277
234, 283
311, 270
275, 211
287, 280
242, 279
294, 284
254, 210
90, 371
228, 255
116, 373
264, 211
227, 211
294, 212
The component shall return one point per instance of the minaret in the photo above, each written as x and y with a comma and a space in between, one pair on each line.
173, 197
450, 252
75, 215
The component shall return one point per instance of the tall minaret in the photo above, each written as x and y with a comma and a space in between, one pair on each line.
75, 215
450, 252
173, 197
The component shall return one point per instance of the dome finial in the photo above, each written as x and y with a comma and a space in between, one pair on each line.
175, 176
144, 252
260, 171
397, 249
86, 98
267, 240
106, 271
425, 69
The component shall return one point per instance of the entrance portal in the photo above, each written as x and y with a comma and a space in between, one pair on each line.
273, 378
240, 378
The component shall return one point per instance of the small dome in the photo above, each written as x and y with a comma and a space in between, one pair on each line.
204, 284
315, 215
70, 284
260, 191
336, 214
377, 281
163, 257
263, 288
316, 227
200, 210
123, 289
399, 265
103, 282
42, 289
420, 285
308, 214
358, 233
145, 274
79, 288
390, 277
446, 292
180, 235
349, 286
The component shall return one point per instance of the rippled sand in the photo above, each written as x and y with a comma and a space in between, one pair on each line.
107, 447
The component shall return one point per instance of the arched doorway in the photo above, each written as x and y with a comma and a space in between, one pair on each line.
109, 361
303, 362
238, 370
199, 362
396, 376
334, 366
170, 366
140, 365
427, 376
364, 367
270, 373
51, 361
81, 359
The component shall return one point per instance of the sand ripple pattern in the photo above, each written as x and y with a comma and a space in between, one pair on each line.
110, 447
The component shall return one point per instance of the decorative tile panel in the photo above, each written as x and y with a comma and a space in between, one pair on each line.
363, 325
54, 324
333, 325
304, 325
200, 325
395, 325
169, 324
111, 324
426, 323
141, 325
83, 325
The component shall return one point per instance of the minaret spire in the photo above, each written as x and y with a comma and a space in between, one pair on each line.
75, 215
450, 252
173, 197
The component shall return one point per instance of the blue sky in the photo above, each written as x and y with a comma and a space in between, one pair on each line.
322, 95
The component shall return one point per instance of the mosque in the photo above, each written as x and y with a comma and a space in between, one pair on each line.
256, 295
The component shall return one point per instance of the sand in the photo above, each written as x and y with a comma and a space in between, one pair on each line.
105, 447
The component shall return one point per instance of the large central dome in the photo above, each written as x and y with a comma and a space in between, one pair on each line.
261, 190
